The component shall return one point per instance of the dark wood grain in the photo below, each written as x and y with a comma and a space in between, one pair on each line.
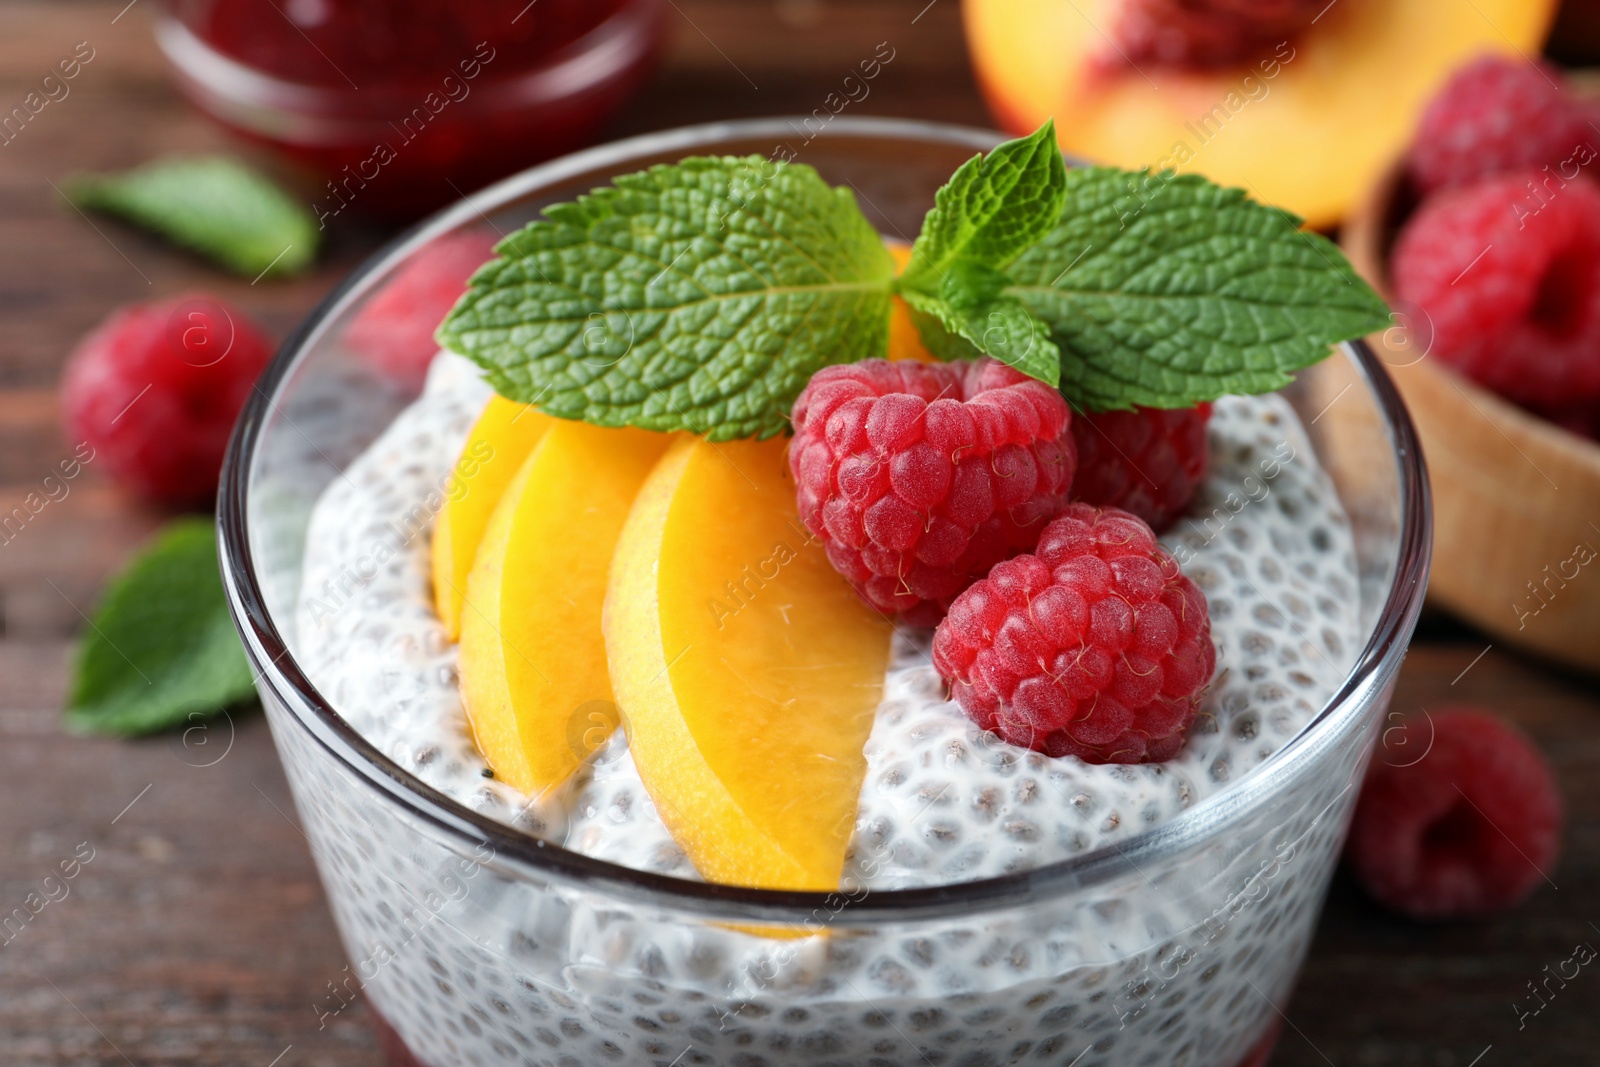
1382, 991
197, 933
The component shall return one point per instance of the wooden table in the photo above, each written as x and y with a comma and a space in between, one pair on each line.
197, 934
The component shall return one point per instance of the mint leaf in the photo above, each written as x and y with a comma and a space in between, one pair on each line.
161, 650
212, 204
993, 207
990, 210
937, 338
987, 321
1166, 290
699, 296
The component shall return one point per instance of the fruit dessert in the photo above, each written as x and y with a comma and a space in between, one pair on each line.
680, 572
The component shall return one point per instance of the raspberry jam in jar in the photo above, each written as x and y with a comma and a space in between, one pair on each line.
398, 106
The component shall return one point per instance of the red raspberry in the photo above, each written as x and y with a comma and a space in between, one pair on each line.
1510, 286
1096, 647
1494, 115
919, 477
1583, 421
1147, 461
155, 389
1466, 829
394, 331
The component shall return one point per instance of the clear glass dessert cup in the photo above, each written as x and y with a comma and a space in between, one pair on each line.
477, 944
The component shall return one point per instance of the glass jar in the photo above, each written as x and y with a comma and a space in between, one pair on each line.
399, 106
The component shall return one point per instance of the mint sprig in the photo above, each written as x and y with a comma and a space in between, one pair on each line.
703, 295
990, 211
214, 205
975, 316
993, 208
161, 650
698, 296
1166, 290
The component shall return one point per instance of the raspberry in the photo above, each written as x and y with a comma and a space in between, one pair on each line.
919, 477
1147, 461
1466, 829
1206, 33
394, 331
1583, 421
1095, 647
1495, 115
1510, 286
155, 389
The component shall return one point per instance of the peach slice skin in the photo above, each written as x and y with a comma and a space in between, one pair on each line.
1342, 101
533, 658
746, 670
500, 440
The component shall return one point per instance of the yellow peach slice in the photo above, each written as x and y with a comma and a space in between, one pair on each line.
746, 669
533, 659
1309, 125
904, 341
500, 440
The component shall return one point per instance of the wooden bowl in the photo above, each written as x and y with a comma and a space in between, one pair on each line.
1516, 529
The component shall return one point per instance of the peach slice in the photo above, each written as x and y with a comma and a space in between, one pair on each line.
746, 670
533, 659
904, 341
1309, 125
500, 440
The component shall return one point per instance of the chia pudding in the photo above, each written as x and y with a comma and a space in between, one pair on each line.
1181, 968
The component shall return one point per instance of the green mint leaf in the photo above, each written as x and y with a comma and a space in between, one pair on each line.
214, 205
1166, 290
992, 208
161, 650
938, 339
698, 296
969, 284
995, 324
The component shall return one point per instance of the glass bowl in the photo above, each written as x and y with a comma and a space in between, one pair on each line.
477, 944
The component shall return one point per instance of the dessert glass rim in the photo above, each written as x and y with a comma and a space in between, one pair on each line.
276, 667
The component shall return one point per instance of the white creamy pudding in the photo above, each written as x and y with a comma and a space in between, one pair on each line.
1146, 972
943, 801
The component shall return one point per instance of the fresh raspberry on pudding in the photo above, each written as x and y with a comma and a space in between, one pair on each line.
1497, 115
919, 477
1097, 646
1147, 461
394, 331
1510, 286
155, 390
1470, 827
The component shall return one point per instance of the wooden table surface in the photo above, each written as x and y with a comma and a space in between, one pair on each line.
197, 934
